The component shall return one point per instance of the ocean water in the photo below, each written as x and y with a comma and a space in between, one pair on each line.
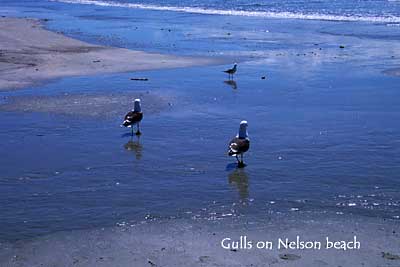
325, 138
341, 10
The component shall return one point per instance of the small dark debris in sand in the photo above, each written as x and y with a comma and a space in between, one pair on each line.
342, 46
290, 257
139, 79
204, 258
389, 256
96, 61
233, 250
263, 78
151, 262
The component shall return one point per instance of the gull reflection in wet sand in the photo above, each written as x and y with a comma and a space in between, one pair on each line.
134, 146
240, 179
232, 84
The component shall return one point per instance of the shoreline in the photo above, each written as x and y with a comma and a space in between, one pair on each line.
30, 54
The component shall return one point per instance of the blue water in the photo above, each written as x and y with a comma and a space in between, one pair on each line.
354, 10
323, 124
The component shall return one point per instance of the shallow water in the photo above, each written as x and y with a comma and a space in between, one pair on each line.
323, 125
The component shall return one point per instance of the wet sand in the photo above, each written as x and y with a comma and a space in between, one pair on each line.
198, 243
106, 106
392, 72
31, 54
95, 175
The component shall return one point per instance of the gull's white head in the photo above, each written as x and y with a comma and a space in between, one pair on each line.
137, 106
243, 130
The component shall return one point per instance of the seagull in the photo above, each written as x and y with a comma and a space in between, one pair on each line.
231, 71
240, 144
134, 117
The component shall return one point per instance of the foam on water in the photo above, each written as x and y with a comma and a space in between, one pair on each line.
264, 14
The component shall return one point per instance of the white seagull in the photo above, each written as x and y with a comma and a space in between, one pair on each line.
134, 117
240, 144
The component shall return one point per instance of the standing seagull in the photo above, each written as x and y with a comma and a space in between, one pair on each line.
134, 117
231, 71
240, 144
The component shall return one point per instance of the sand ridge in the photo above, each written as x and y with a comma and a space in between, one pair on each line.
30, 54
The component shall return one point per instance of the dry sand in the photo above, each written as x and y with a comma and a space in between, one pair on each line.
30, 54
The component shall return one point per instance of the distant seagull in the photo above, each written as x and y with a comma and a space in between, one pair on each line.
134, 117
240, 144
231, 71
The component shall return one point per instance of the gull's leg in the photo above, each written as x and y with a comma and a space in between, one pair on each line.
241, 163
237, 159
132, 129
138, 129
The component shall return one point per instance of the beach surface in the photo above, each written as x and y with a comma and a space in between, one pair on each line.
175, 242
320, 97
30, 54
